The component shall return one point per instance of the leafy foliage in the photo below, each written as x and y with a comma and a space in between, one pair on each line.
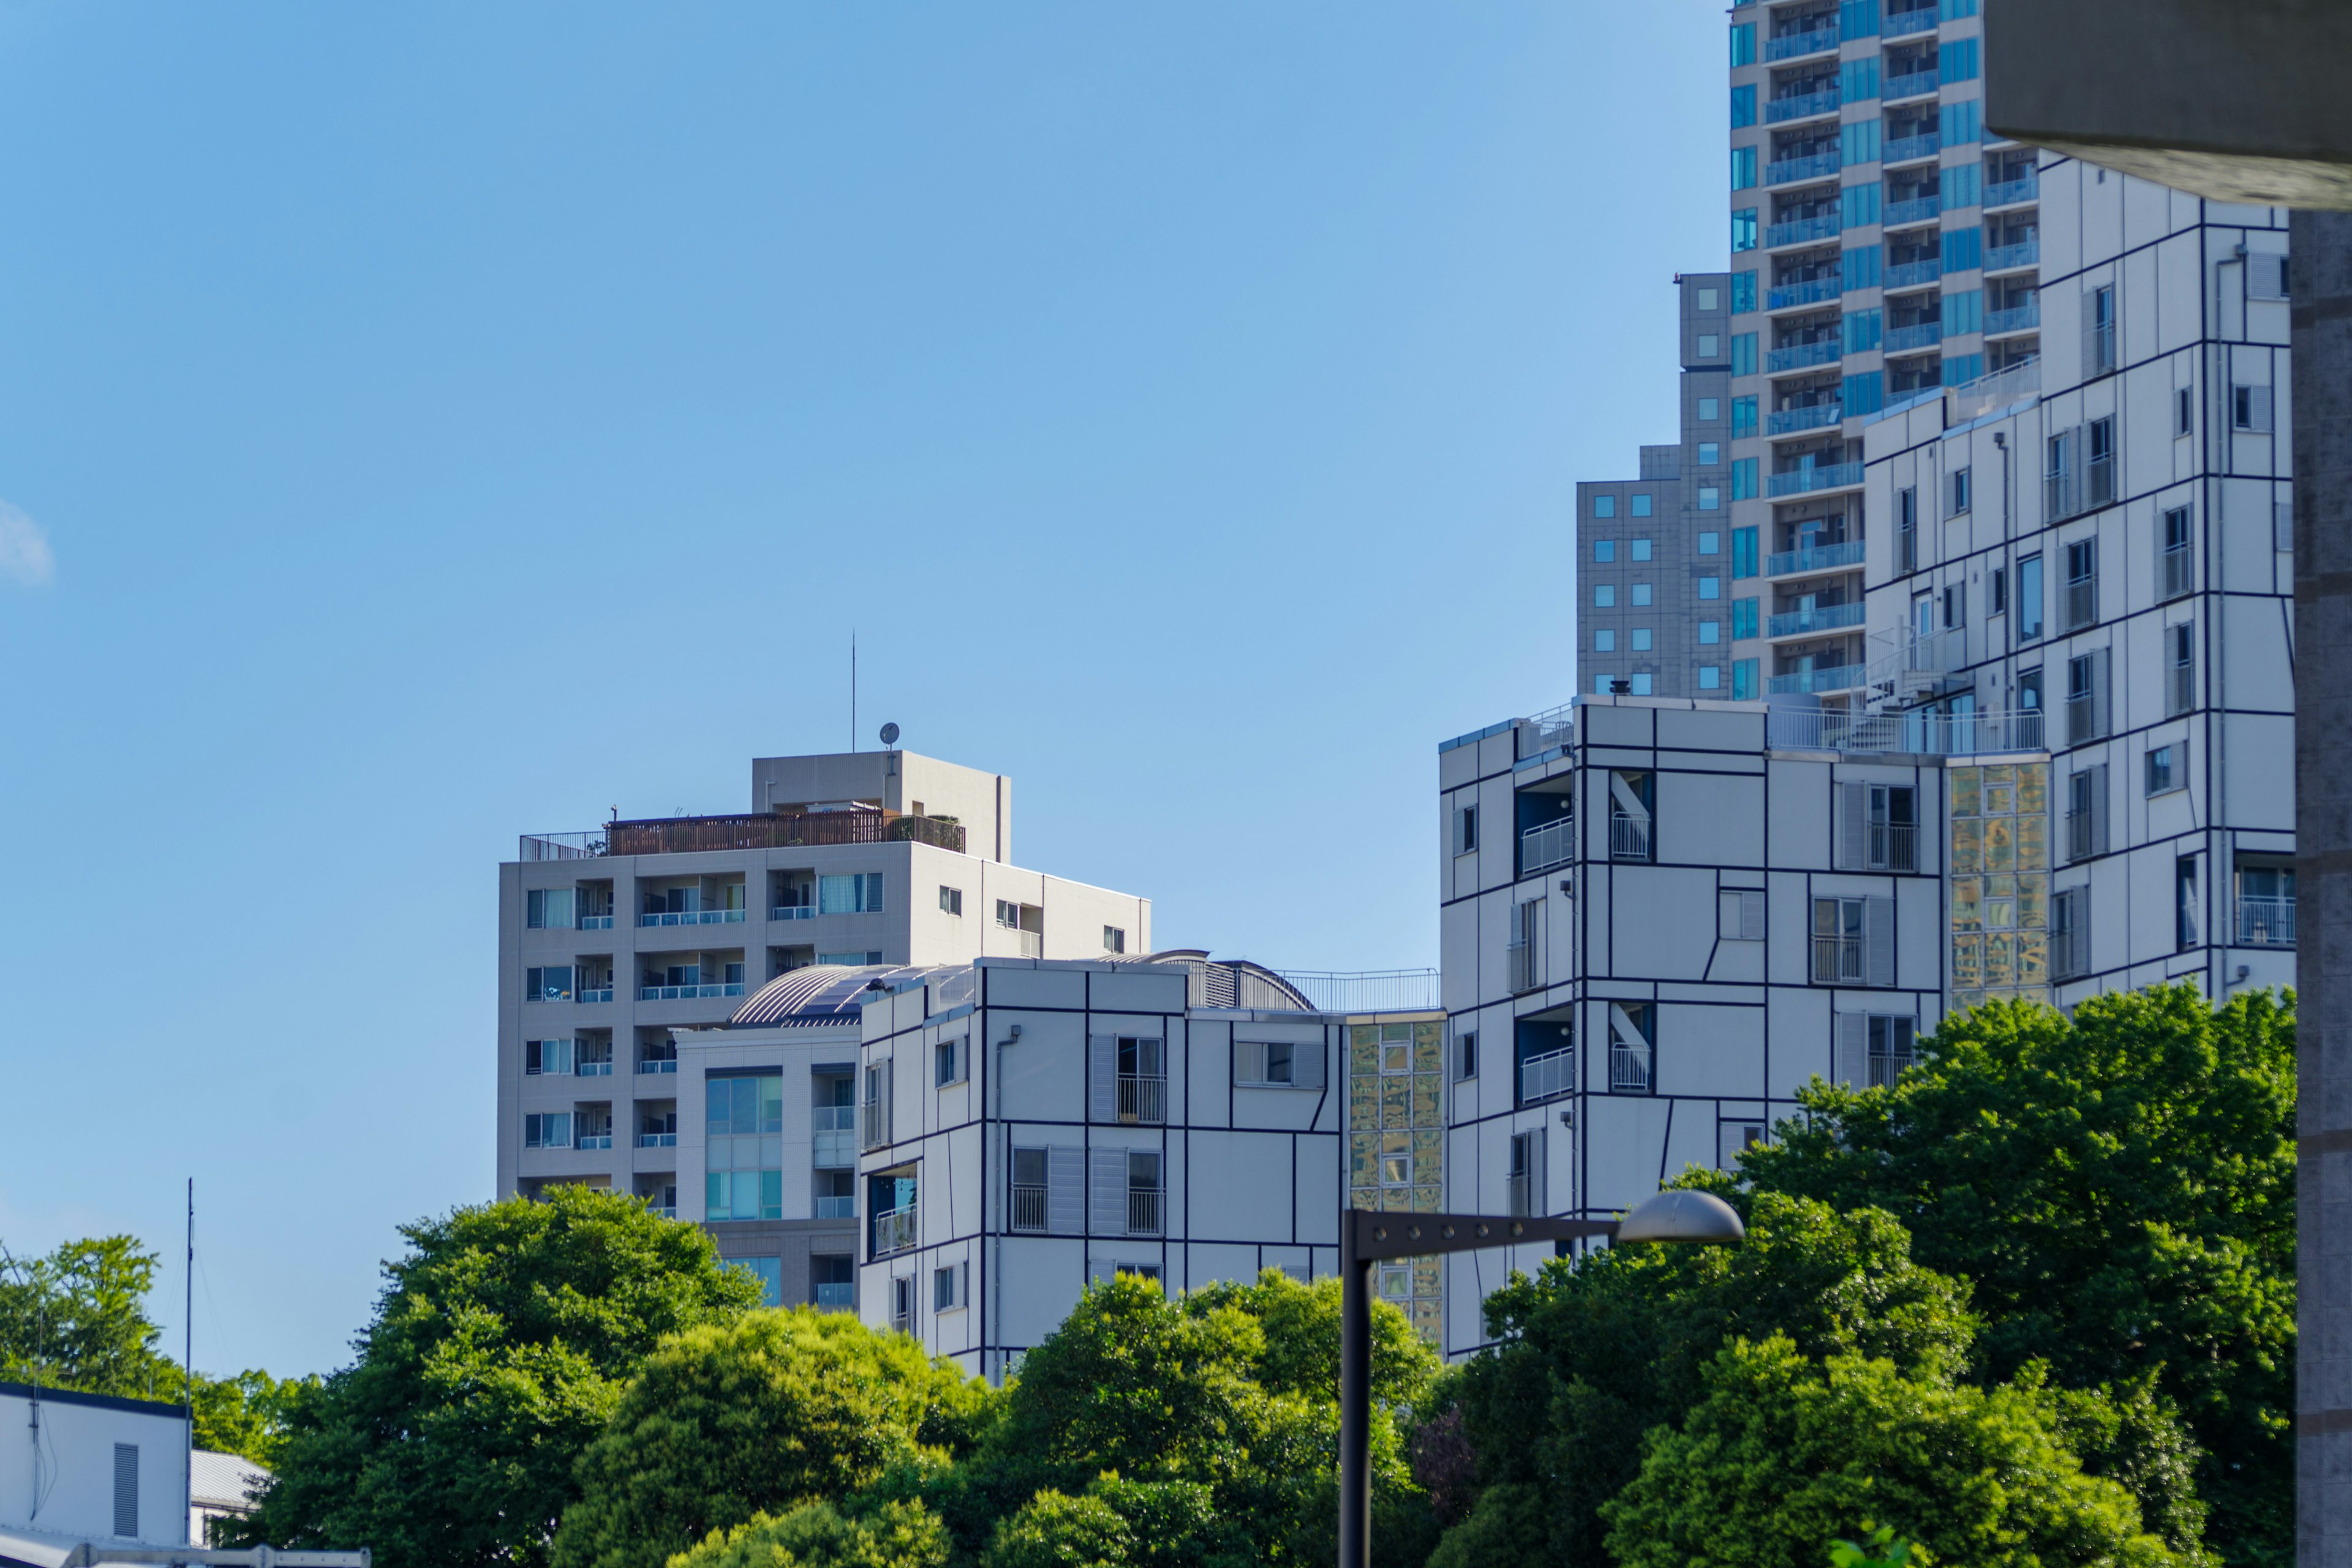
817, 1535
728, 1421
1778, 1457
2119, 1187
500, 1350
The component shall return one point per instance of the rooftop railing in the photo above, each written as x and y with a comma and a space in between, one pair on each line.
1368, 991
756, 830
1975, 399
1915, 732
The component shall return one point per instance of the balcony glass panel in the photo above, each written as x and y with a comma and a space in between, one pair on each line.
1919, 209
2010, 192
1910, 85
2010, 257
1821, 618
1908, 149
1923, 335
1797, 356
1915, 274
1825, 476
1803, 231
1814, 166
2017, 318
1812, 291
1801, 106
1835, 678
1795, 46
1820, 558
1790, 421
1902, 23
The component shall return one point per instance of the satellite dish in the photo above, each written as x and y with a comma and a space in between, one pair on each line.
889, 734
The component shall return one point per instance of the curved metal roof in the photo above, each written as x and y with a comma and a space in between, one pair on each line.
818, 994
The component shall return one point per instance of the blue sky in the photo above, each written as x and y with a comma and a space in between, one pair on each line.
423, 424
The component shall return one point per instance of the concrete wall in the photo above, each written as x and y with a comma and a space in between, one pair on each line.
78, 1434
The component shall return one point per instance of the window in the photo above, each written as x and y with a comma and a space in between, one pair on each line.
551, 1058
548, 908
1745, 680
2162, 776
1466, 829
2184, 902
2184, 411
1641, 684
948, 1288
1743, 354
1604, 597
1710, 588
2029, 598
1008, 914
1858, 205
1746, 618
1890, 1048
1710, 678
1743, 229
1743, 419
1114, 939
1963, 312
1957, 61
2099, 331
951, 1061
1710, 453
2180, 667
1744, 484
850, 960
1743, 297
860, 892
1858, 80
1956, 492
2029, 690
1859, 268
549, 1130
1962, 186
1963, 249
2249, 409
1863, 331
1631, 800
1864, 393
1527, 1197
1743, 106
2086, 697
1271, 1063
1710, 633
1640, 594
743, 1147
1604, 551
1708, 299
1962, 123
1743, 168
1854, 942
902, 1300
1744, 560
2174, 573
1878, 826
1641, 546
1743, 45
1996, 592
835, 1193
769, 1272
550, 983
2099, 471
1858, 143
2070, 933
1641, 639
1709, 410
1466, 1055
1604, 505
1710, 544
1633, 1047
2082, 583
951, 900
1604, 642
2086, 812
1956, 605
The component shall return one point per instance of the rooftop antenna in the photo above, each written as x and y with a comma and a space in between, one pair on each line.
188, 1374
853, 690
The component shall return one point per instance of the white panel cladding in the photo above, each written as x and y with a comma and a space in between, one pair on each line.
1102, 1077
1106, 1192
1851, 1062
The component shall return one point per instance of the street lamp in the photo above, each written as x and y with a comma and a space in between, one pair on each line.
1366, 1239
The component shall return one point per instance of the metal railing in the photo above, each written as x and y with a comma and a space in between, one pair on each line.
1028, 1206
1921, 731
1915, 274
589, 846
793, 912
1629, 838
1801, 106
2016, 318
1809, 292
2011, 257
1918, 209
1819, 558
837, 1296
1902, 23
691, 918
1367, 991
596, 993
1807, 416
1793, 46
1919, 335
1821, 477
595, 923
2009, 193
1143, 1211
1629, 1068
1975, 399
1545, 732
596, 1140
895, 1230
1823, 678
1886, 1067
1798, 356
1814, 166
1803, 231
1910, 84
1548, 1076
1520, 958
1032, 943
593, 1070
1143, 1099
689, 992
834, 1205
1821, 618
657, 1064
1908, 149
1541, 849
1837, 960
1893, 847
656, 1140
2265, 922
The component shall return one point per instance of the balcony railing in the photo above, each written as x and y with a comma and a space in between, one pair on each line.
1909, 149
667, 1211
1902, 23
793, 912
1977, 398
2010, 257
1886, 1067
657, 1064
1794, 46
1797, 356
1821, 477
1918, 209
1915, 274
1808, 416
2016, 318
596, 1140
1143, 1099
2009, 193
1541, 849
691, 918
2265, 922
836, 1205
1920, 732
1629, 838
1837, 960
1832, 678
1893, 847
1820, 558
595, 923
1143, 1211
1801, 106
594, 1069
1803, 231
656, 1140
1814, 166
837, 1296
1519, 959
1810, 291
895, 1230
833, 1149
1821, 618
1920, 335
1911, 84
1032, 943
689, 992
1629, 1069
1547, 1076
757, 830
596, 993
1028, 1206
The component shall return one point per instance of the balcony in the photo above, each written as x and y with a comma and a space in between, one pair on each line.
2023, 318
594, 1069
596, 1140
1801, 106
1911, 149
837, 1206
758, 830
1793, 171
1814, 682
1028, 1206
793, 912
691, 918
666, 1211
683, 993
1922, 335
595, 923
596, 993
1902, 23
1798, 356
2010, 193
1814, 622
1837, 960
1920, 732
1886, 1067
834, 1135
1629, 1069
1032, 943
2265, 922
1143, 1211
1820, 558
655, 1065
1810, 291
1803, 231
895, 1231
1143, 1098
1806, 417
2012, 257
1796, 45
1629, 838
1821, 477
1549, 1076
1915, 274
656, 1140
1893, 847
1541, 849
1919, 209
835, 1296
1911, 84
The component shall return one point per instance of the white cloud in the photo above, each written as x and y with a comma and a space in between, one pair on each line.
25, 549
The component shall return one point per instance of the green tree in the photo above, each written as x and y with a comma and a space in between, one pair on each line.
2119, 1187
729, 1420
498, 1351
1785, 1455
818, 1535
1056, 1530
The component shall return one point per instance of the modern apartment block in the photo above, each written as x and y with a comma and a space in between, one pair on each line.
621, 945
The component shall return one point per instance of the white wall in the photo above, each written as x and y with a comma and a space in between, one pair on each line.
77, 1435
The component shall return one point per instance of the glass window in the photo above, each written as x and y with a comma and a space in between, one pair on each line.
1963, 312
1604, 505
860, 892
1604, 597
1743, 106
1710, 588
1962, 186
1743, 551
1708, 299
548, 983
1858, 143
1957, 61
1709, 453
769, 1272
1710, 544
1640, 509
1641, 546
1743, 417
1710, 498
1743, 292
1711, 632
1858, 205
1709, 409
1743, 229
743, 1147
1743, 680
1743, 354
548, 908
1604, 549
1744, 479
1604, 642
1962, 122
1745, 618
1865, 394
1641, 639
1743, 178
1963, 249
1641, 685
1641, 592
1710, 346
2029, 598
1710, 678
1859, 268
1743, 45
1858, 80
2161, 773
1863, 331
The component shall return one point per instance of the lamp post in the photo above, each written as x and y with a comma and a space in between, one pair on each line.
1366, 1239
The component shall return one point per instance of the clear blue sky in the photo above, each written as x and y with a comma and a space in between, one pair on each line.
422, 423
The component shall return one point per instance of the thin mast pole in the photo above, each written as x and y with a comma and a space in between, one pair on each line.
188, 1378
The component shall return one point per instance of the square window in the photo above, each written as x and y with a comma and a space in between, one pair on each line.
1710, 588
951, 900
1641, 639
2161, 773
1641, 592
1710, 633
1641, 546
1710, 544
1604, 505
1710, 345
1710, 678
1604, 642
1711, 298
1710, 409
1640, 686
1709, 453
1710, 498
1604, 597
1604, 549
1641, 507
